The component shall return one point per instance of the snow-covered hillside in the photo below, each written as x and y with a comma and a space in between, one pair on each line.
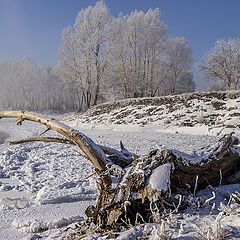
211, 112
51, 184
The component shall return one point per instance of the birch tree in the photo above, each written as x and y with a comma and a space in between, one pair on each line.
146, 61
128, 56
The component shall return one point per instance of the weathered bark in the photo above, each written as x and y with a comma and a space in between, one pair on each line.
136, 194
42, 139
220, 166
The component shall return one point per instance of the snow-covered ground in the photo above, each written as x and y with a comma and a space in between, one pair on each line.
212, 113
44, 187
47, 188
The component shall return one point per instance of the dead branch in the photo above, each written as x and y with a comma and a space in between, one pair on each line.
42, 139
119, 158
86, 144
44, 131
224, 157
139, 191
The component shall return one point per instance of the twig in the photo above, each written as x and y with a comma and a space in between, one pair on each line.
46, 130
179, 203
220, 173
92, 174
137, 216
195, 187
210, 199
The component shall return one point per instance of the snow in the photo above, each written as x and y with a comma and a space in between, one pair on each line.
49, 217
159, 179
195, 113
44, 187
47, 180
47, 195
3, 137
18, 224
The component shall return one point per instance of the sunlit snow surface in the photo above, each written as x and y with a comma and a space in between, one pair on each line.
58, 183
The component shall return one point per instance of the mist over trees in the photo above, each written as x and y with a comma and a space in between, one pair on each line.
101, 58
222, 65
26, 85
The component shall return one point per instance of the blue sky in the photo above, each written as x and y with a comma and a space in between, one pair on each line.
32, 28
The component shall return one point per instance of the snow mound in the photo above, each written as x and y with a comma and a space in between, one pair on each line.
216, 111
48, 195
34, 226
160, 178
41, 218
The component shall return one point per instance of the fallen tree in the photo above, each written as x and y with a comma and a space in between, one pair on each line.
140, 188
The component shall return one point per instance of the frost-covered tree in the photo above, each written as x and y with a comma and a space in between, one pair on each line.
176, 64
136, 55
222, 64
185, 83
84, 53
129, 56
19, 84
146, 62
26, 85
68, 68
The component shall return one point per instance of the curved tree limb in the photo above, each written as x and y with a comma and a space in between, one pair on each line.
86, 144
222, 161
42, 139
120, 158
